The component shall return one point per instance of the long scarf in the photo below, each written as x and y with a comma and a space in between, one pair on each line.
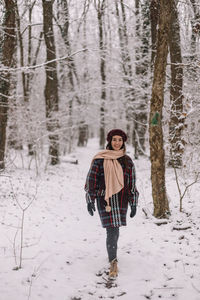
113, 172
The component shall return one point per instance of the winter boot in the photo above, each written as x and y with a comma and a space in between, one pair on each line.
113, 269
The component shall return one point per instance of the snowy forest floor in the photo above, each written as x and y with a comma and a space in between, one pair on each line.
64, 247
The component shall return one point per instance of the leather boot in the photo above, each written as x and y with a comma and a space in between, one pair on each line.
113, 268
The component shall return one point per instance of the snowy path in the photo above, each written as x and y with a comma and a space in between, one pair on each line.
65, 246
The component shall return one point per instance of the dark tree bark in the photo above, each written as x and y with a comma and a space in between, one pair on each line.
157, 154
154, 13
176, 90
51, 87
8, 48
14, 139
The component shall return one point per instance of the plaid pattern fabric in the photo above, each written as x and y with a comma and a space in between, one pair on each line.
95, 189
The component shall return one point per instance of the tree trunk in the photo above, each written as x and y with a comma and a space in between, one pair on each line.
14, 138
51, 87
176, 91
8, 48
26, 77
127, 72
83, 135
31, 150
142, 71
64, 24
21, 50
83, 130
195, 23
71, 71
100, 14
154, 13
157, 154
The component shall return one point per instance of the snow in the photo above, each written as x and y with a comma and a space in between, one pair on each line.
64, 247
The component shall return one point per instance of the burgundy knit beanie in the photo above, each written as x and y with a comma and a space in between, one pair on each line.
116, 132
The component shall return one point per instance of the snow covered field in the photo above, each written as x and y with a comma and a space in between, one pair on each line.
64, 247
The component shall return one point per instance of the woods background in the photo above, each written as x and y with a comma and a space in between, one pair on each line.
74, 69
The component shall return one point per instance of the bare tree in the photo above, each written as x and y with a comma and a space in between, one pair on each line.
195, 28
192, 58
100, 8
142, 71
51, 87
26, 77
176, 90
83, 133
127, 72
157, 153
64, 25
8, 48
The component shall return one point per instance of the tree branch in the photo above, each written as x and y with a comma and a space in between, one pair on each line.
26, 68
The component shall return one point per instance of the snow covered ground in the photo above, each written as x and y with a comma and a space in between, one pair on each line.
64, 247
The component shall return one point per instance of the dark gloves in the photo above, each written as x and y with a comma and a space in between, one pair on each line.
91, 208
133, 210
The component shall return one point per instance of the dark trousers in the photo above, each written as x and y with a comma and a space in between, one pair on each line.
111, 242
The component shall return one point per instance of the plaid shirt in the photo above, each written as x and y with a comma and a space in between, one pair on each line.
95, 189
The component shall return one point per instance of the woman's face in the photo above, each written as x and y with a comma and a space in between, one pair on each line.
117, 142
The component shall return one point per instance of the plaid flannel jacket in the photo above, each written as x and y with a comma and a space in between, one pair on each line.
95, 189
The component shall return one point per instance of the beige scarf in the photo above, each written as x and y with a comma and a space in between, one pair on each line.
114, 177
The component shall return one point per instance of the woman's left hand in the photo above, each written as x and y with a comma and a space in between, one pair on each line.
133, 210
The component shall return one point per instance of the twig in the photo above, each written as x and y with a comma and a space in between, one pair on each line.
147, 213
195, 287
181, 228
169, 288
14, 247
35, 275
186, 188
23, 209
26, 68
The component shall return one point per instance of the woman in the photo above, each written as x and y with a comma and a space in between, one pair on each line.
111, 181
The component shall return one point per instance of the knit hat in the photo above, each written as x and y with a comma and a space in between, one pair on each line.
116, 132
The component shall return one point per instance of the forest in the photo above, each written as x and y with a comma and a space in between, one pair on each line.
71, 70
